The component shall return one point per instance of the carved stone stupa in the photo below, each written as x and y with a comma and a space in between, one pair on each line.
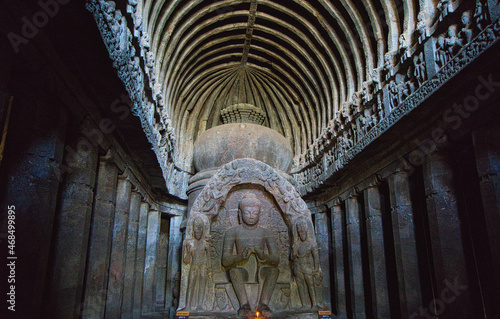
250, 246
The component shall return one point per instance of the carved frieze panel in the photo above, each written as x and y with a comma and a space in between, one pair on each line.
403, 93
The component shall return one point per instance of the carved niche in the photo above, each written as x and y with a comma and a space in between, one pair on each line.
216, 218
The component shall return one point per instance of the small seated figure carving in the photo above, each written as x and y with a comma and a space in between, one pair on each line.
244, 240
196, 254
451, 42
306, 267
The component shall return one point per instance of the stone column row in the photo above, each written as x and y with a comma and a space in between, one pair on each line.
96, 241
346, 236
71, 232
444, 229
123, 253
95, 255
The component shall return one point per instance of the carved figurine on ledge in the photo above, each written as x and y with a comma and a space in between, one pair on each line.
419, 68
465, 34
240, 242
306, 268
388, 64
423, 22
480, 15
444, 7
441, 55
452, 41
196, 254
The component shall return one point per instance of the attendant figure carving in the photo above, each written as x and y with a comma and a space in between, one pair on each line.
441, 52
419, 68
480, 15
306, 267
451, 42
196, 254
423, 22
388, 64
465, 34
240, 242
394, 99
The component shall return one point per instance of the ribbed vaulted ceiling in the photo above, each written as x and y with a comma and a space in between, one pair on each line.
297, 60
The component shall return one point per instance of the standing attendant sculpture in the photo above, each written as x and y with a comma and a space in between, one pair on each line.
306, 267
240, 242
196, 253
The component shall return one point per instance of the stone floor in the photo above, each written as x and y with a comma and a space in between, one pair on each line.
283, 315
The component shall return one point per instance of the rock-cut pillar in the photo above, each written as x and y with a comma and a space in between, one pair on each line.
376, 251
100, 240
323, 239
130, 259
445, 233
174, 258
71, 236
354, 254
339, 293
404, 244
152, 240
140, 259
118, 250
487, 151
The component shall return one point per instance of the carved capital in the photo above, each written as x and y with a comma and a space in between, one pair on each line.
402, 166
109, 157
334, 204
123, 177
352, 193
373, 181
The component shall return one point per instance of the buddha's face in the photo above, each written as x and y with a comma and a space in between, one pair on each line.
250, 214
302, 230
198, 229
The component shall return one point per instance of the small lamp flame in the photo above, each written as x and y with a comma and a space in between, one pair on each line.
257, 313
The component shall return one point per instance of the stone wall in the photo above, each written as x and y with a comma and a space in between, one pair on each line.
86, 245
408, 238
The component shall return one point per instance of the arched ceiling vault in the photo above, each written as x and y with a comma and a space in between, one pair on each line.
330, 75
297, 60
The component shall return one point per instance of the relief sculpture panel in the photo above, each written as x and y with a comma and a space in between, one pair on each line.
250, 248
